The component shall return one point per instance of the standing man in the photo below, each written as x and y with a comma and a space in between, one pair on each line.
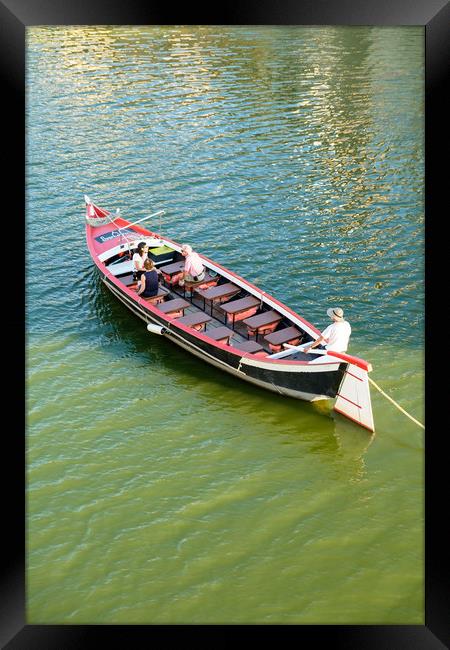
335, 337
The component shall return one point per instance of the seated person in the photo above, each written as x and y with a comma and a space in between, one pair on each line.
138, 260
149, 282
194, 271
336, 336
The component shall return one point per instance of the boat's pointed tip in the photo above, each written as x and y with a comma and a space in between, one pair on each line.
87, 199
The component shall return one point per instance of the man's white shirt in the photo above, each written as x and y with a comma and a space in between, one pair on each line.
337, 336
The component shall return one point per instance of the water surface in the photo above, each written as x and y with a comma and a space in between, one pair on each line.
160, 490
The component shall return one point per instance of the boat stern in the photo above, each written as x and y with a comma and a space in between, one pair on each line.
353, 397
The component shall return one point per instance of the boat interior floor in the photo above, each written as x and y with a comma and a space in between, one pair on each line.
217, 318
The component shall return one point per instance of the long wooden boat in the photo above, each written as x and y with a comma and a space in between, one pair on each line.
227, 321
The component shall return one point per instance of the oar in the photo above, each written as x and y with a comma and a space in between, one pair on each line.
291, 350
150, 216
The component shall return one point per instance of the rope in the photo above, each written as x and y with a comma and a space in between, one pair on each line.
395, 403
275, 386
122, 235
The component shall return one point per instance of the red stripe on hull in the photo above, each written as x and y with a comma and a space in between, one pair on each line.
348, 400
353, 420
354, 376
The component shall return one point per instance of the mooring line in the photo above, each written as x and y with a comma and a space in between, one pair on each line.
395, 403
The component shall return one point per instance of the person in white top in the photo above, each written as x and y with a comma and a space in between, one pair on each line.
336, 336
138, 260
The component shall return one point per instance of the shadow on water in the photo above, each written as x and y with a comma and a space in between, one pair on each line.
315, 425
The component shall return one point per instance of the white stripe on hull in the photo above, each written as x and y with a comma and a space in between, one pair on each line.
280, 367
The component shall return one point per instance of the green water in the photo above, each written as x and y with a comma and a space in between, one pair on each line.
160, 490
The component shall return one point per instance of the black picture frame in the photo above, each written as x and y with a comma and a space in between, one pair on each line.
15, 16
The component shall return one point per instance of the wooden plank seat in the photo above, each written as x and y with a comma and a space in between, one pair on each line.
208, 281
248, 346
222, 334
172, 273
217, 294
156, 300
128, 280
196, 320
287, 335
174, 308
236, 310
262, 323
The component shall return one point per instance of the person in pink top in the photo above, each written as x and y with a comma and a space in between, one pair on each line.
194, 271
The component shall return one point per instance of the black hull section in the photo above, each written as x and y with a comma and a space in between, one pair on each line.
324, 382
307, 385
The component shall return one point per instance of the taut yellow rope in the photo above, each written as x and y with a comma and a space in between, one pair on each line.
395, 403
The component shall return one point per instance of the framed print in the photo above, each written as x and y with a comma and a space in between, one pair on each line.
295, 149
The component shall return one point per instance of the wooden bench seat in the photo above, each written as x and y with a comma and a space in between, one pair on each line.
217, 294
156, 300
196, 320
287, 335
207, 282
174, 267
222, 334
174, 308
236, 310
248, 346
128, 280
172, 273
262, 323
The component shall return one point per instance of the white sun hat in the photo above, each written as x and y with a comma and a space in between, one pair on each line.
335, 313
